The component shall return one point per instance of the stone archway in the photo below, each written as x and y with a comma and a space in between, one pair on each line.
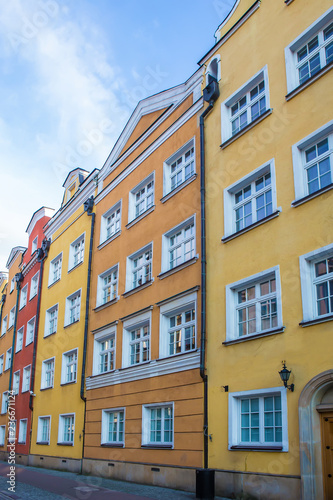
310, 435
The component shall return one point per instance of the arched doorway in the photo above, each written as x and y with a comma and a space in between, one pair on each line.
316, 439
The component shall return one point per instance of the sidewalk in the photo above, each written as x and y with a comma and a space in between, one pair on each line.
34, 483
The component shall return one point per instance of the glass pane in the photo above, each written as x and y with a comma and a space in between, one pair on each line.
245, 405
269, 435
264, 288
245, 435
254, 404
311, 154
254, 419
254, 435
251, 293
245, 420
268, 404
269, 421
322, 146
320, 268
329, 53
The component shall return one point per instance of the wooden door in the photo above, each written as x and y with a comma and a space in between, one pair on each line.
327, 433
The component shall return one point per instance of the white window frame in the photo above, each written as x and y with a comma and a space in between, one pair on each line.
70, 318
76, 256
130, 325
34, 245
45, 370
23, 296
105, 427
61, 429
16, 382
167, 168
147, 198
115, 213
12, 285
30, 333
11, 317
299, 160
229, 200
23, 427
170, 309
68, 362
308, 282
99, 338
19, 339
48, 320
2, 435
146, 428
26, 376
40, 429
234, 421
113, 285
8, 358
232, 303
226, 118
4, 325
4, 402
55, 269
306, 36
34, 286
132, 279
1, 363
166, 244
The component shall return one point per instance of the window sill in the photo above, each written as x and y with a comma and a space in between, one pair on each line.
255, 448
49, 335
309, 82
254, 336
103, 373
245, 129
21, 442
309, 197
73, 323
316, 321
111, 238
178, 268
65, 444
55, 282
43, 443
22, 307
9, 328
154, 446
46, 388
275, 214
75, 267
107, 304
178, 188
31, 341
31, 298
140, 217
112, 445
288, 2
67, 383
138, 288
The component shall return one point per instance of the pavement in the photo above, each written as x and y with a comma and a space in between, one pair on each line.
33, 483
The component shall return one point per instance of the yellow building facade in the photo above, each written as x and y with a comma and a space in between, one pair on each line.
268, 144
58, 399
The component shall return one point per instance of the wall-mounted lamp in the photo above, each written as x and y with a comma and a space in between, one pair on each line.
285, 374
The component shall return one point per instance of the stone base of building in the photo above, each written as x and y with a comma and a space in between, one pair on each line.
22, 459
261, 486
58, 463
179, 478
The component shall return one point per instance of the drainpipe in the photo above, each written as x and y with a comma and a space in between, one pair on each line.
18, 279
88, 207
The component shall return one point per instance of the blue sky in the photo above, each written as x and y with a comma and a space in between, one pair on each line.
72, 72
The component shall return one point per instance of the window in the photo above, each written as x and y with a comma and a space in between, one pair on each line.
73, 305
12, 285
245, 105
250, 200
1, 364
258, 419
11, 317
316, 270
310, 52
43, 430
34, 245
19, 339
23, 297
55, 269
76, 252
34, 286
136, 339
66, 429
26, 378
22, 437
213, 71
110, 222
2, 435
104, 351
157, 425
30, 331
178, 245
139, 267
107, 286
178, 326
113, 427
69, 367
254, 305
16, 382
179, 168
4, 325
4, 402
141, 198
51, 320
47, 373
8, 358
312, 163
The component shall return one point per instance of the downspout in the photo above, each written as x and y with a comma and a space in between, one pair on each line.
88, 207
18, 279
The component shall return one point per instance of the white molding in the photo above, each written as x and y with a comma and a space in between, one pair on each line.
39, 214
